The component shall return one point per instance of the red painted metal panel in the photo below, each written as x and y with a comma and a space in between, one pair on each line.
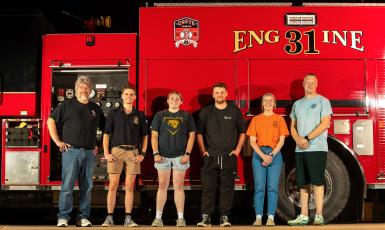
343, 44
285, 82
193, 78
217, 26
18, 104
381, 115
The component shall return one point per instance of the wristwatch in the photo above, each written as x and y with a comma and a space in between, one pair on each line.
307, 138
155, 153
187, 153
143, 153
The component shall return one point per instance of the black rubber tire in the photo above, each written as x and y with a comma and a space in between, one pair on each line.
338, 189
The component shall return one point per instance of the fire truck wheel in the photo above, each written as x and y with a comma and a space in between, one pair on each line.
337, 190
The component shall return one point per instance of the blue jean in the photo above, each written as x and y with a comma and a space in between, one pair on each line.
77, 164
269, 174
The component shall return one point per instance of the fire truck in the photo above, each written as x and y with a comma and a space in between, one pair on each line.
254, 49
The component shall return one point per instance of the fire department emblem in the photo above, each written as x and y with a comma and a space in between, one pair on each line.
186, 32
135, 120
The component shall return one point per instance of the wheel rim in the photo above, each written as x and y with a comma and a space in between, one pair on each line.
292, 191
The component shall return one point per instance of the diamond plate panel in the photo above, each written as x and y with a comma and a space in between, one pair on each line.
363, 137
341, 126
22, 167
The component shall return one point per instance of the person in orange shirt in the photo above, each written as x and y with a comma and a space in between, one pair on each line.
267, 133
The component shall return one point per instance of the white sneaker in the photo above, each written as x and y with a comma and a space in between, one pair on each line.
62, 223
83, 223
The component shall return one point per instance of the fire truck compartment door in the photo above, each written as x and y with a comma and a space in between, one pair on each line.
22, 167
363, 137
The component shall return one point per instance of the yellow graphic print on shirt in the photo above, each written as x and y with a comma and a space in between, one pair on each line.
173, 124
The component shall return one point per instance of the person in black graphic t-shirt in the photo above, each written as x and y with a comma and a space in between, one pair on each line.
172, 139
220, 136
79, 119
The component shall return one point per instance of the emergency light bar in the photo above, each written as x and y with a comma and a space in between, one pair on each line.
300, 19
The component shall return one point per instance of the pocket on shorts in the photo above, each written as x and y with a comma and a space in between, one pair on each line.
164, 164
177, 165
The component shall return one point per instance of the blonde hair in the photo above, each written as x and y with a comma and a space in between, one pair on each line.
268, 95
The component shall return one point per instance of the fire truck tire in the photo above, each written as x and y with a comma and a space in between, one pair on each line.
337, 190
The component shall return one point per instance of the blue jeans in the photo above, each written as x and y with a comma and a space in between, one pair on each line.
262, 174
77, 164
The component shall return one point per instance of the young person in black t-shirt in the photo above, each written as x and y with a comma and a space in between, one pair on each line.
220, 136
172, 139
79, 119
127, 129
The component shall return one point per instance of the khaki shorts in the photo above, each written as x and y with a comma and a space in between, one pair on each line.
123, 157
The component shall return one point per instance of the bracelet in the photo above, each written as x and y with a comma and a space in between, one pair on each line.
307, 138
155, 153
143, 153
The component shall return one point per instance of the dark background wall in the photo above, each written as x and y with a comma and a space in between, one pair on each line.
74, 16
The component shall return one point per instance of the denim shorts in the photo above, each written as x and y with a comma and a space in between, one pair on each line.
174, 163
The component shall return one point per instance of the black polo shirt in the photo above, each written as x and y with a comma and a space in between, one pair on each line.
126, 129
79, 122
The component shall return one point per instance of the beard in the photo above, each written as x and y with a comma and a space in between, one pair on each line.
82, 97
220, 101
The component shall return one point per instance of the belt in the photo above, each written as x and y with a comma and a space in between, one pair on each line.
127, 147
81, 148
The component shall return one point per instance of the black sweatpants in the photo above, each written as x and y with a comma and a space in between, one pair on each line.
216, 170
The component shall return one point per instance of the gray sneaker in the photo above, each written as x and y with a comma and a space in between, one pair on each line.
224, 222
157, 223
108, 222
205, 222
128, 222
181, 222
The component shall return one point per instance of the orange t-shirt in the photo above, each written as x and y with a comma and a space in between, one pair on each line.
267, 129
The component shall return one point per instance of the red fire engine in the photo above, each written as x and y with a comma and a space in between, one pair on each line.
254, 49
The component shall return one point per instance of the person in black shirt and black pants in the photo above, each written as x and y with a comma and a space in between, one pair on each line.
172, 139
220, 135
127, 129
79, 119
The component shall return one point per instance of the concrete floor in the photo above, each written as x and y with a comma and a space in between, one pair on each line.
146, 227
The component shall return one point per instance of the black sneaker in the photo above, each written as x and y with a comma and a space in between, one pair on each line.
206, 222
224, 222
